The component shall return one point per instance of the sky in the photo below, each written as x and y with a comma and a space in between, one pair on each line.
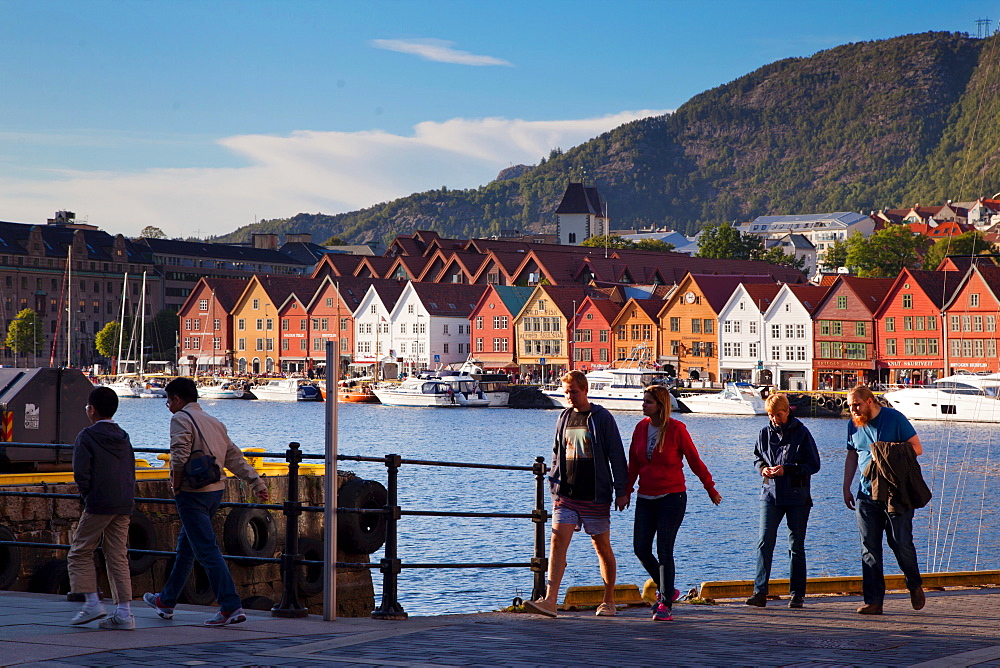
201, 116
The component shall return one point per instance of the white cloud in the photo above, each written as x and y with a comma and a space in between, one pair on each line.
307, 171
438, 50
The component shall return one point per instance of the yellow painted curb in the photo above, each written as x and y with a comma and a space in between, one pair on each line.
847, 584
581, 597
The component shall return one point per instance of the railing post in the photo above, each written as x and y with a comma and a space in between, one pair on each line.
289, 605
539, 564
390, 565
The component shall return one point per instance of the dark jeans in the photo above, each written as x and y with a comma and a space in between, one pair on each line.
796, 518
873, 521
197, 541
660, 517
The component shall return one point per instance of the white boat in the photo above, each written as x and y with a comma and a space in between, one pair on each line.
494, 386
124, 388
959, 398
618, 389
734, 399
287, 389
152, 389
221, 389
433, 391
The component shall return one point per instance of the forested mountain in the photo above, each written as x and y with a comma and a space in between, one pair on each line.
858, 127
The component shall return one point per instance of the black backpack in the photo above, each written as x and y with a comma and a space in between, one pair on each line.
201, 469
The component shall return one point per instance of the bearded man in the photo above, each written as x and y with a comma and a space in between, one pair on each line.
872, 423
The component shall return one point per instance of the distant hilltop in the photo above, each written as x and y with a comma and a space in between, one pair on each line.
859, 127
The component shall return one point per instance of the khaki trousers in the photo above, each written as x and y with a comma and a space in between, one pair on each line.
89, 532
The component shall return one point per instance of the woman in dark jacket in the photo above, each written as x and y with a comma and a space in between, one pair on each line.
786, 457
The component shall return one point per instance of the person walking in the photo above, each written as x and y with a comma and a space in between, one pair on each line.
588, 464
872, 432
192, 429
104, 471
659, 446
786, 457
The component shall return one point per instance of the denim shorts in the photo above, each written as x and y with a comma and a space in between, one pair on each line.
594, 525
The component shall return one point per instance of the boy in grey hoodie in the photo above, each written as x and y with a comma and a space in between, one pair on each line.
104, 470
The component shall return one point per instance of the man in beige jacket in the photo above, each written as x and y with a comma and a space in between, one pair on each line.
191, 428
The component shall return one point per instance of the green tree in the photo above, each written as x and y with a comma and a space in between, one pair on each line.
24, 333
724, 242
654, 245
835, 256
334, 241
152, 232
886, 252
106, 340
777, 256
608, 241
968, 244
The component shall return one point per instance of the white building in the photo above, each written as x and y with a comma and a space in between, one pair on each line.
430, 324
580, 215
799, 247
788, 336
821, 229
373, 340
741, 332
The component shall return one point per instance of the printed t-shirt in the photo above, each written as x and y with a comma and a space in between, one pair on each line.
889, 425
578, 443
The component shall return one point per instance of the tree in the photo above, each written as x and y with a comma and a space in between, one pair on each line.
654, 245
152, 232
835, 256
608, 241
968, 244
24, 334
886, 252
724, 242
106, 340
334, 241
775, 255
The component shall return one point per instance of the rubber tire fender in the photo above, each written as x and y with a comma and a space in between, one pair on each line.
250, 532
10, 559
357, 533
310, 578
141, 536
52, 577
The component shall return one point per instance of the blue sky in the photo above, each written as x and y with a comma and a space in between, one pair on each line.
200, 116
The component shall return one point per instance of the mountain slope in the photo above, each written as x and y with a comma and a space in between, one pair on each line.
857, 127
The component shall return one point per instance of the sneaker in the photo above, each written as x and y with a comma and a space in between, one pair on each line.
153, 601
917, 598
222, 618
870, 609
116, 623
758, 600
606, 610
795, 602
88, 614
662, 614
540, 607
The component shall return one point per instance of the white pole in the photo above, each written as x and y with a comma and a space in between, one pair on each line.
121, 326
69, 306
142, 327
330, 487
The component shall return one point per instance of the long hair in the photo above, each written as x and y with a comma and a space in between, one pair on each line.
662, 396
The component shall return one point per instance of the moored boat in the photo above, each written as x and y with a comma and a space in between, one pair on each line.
734, 399
428, 390
221, 389
959, 398
618, 389
287, 389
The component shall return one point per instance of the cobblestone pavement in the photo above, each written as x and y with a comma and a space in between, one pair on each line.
957, 628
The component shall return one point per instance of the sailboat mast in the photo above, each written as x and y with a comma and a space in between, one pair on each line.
121, 325
69, 306
142, 327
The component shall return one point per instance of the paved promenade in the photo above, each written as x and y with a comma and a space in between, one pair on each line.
957, 628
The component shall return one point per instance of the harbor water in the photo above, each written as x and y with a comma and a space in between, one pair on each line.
960, 530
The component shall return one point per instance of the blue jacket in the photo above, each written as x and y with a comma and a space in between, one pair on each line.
609, 454
792, 446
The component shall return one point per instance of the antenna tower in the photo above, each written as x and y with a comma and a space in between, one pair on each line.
983, 28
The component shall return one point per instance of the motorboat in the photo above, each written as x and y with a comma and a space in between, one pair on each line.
450, 391
287, 389
125, 388
152, 389
966, 397
734, 399
221, 389
352, 390
619, 389
494, 386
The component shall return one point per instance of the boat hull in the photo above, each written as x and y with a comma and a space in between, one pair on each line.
921, 404
390, 398
703, 404
612, 401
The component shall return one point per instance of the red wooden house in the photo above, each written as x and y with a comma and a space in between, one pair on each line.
593, 341
492, 326
972, 314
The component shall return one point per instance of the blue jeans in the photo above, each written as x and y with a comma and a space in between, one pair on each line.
873, 521
660, 518
197, 541
796, 518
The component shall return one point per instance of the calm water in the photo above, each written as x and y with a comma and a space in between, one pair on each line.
959, 531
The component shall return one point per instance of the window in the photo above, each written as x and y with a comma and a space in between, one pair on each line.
890, 324
479, 322
696, 325
932, 346
775, 331
737, 349
789, 353
954, 326
824, 349
343, 324
842, 301
991, 323
603, 354
241, 344
284, 324
604, 336
675, 347
789, 331
696, 349
374, 309
409, 308
775, 353
444, 329
956, 348
727, 327
187, 324
284, 344
918, 323
256, 304
260, 344
856, 351
890, 346
860, 329
974, 299
216, 324
636, 329
647, 331
967, 348
675, 324
977, 323
966, 323
991, 347
753, 326
908, 323
752, 349
907, 301
202, 303
727, 349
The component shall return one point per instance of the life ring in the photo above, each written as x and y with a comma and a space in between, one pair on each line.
257, 603
10, 559
141, 536
52, 577
361, 533
250, 532
310, 577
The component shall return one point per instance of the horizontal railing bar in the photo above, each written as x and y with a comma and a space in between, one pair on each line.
487, 565
440, 513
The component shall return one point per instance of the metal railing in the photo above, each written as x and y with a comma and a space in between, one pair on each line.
390, 565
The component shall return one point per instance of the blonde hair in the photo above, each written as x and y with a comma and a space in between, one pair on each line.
862, 392
661, 395
777, 402
576, 377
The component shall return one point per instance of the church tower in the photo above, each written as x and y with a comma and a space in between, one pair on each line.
580, 215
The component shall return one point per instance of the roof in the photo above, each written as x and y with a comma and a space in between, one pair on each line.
353, 288
513, 296
651, 307
580, 199
337, 264
564, 297
762, 294
377, 265
840, 218
608, 309
449, 299
718, 289
809, 295
870, 291
226, 291
57, 238
937, 285
230, 252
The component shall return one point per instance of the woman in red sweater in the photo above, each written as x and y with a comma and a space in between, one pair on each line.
659, 445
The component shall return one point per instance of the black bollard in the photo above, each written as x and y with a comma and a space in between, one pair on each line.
539, 564
289, 605
390, 564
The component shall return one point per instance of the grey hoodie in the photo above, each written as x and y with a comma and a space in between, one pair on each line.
104, 469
